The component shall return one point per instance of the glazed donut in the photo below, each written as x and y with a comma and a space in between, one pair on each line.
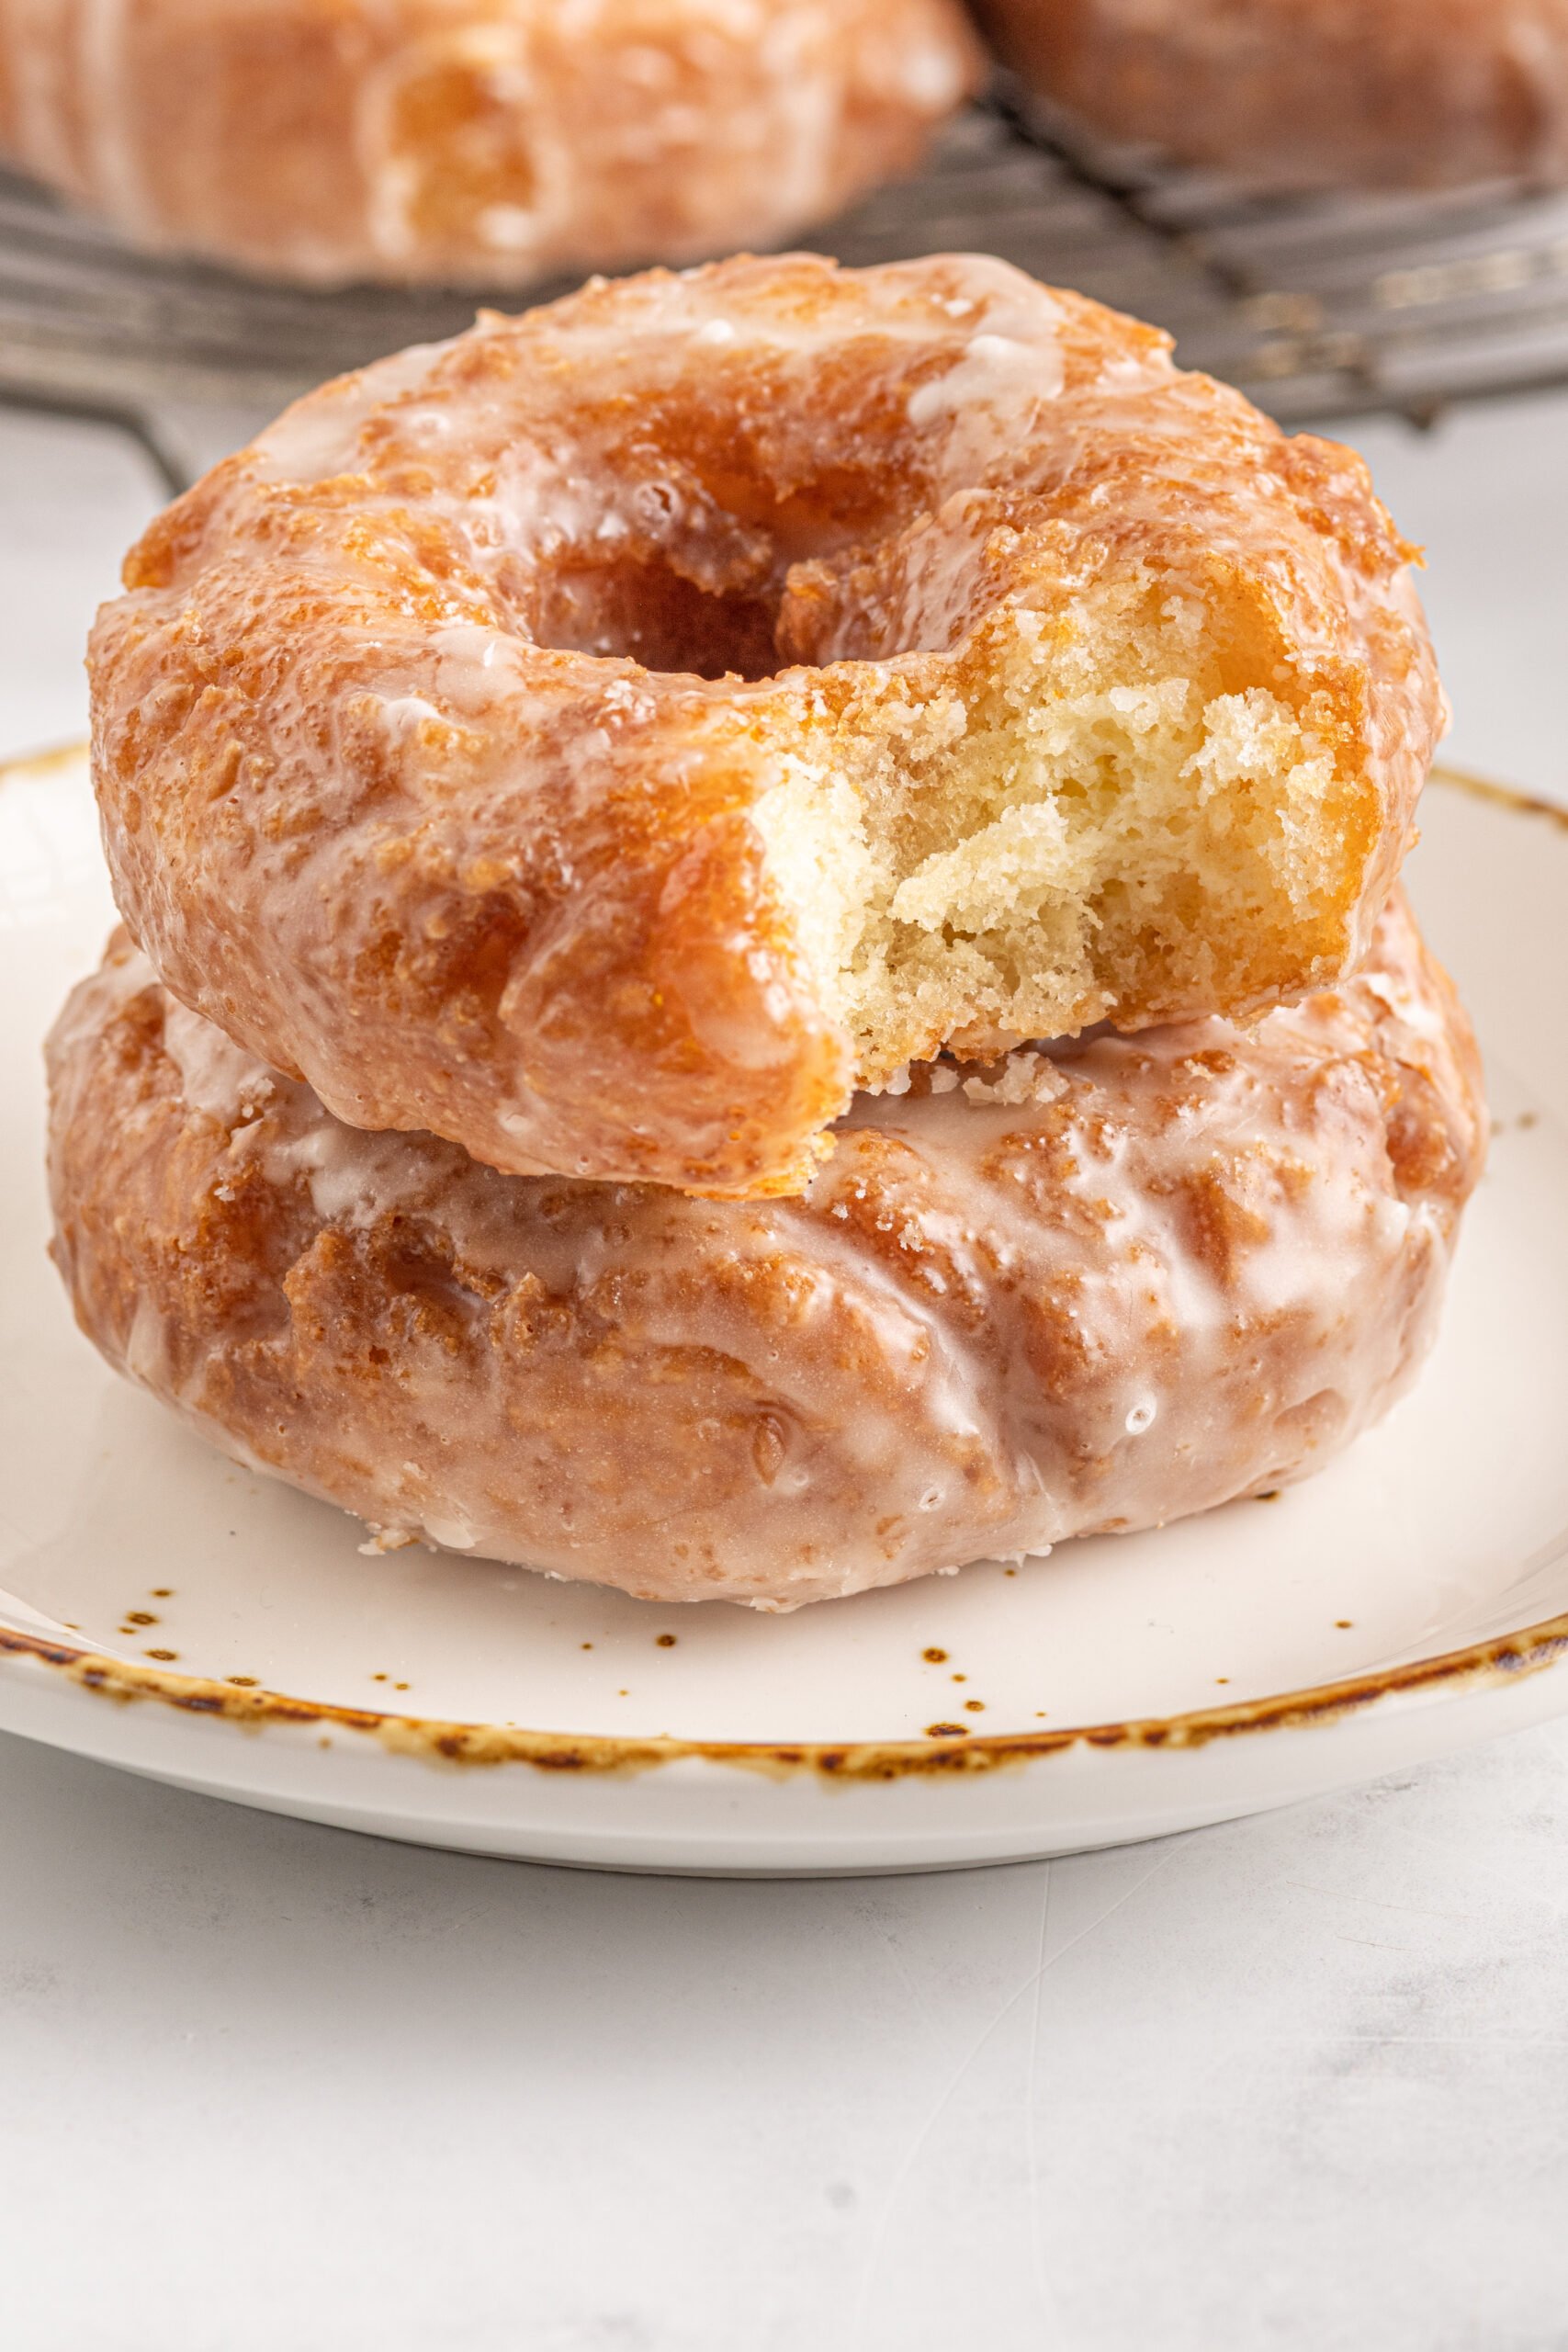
477, 142
608, 739
1309, 92
1090, 1288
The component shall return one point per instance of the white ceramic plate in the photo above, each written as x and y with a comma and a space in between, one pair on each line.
165, 1612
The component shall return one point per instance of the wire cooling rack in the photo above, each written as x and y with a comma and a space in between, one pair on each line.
1319, 306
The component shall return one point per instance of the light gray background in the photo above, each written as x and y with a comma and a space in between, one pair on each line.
1301, 2082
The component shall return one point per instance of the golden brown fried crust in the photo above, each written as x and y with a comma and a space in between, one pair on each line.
515, 891
1309, 92
485, 142
1094, 1288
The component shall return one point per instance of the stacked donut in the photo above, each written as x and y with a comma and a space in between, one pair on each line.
762, 946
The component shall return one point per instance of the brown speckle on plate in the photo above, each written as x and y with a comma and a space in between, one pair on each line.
664, 1640
934, 1657
242, 1681
164, 1657
975, 1706
947, 1731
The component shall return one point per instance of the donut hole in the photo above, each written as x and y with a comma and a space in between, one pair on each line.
650, 614
669, 551
1315, 1425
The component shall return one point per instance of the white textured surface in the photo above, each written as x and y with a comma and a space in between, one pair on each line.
71, 499
1300, 2083
1486, 494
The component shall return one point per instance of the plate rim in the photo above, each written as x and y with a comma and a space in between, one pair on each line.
434, 1740
1530, 1649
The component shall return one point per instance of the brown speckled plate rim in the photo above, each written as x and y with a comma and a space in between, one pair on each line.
1531, 1650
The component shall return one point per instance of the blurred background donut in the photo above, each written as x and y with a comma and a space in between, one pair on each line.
471, 141
1309, 92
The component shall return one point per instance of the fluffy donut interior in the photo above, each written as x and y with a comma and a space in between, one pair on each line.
1087, 810
1083, 816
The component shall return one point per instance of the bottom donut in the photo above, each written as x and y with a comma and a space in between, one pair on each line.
1096, 1287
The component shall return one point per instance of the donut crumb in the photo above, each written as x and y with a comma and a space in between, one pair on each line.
1085, 818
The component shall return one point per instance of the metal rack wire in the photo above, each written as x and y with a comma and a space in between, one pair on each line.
1320, 308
